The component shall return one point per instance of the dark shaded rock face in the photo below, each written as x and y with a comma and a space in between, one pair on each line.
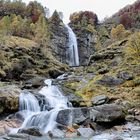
86, 44
59, 39
31, 131
43, 103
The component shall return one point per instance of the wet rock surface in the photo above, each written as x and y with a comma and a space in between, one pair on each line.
34, 131
56, 133
85, 132
70, 116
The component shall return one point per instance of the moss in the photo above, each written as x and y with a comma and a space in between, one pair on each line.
91, 88
133, 83
12, 41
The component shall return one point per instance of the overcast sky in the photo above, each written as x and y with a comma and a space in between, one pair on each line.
103, 8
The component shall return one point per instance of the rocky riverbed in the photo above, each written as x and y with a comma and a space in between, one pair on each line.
102, 119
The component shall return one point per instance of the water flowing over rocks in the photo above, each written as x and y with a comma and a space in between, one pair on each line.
46, 115
86, 44
72, 116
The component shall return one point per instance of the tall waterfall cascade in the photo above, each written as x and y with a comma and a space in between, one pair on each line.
72, 52
37, 115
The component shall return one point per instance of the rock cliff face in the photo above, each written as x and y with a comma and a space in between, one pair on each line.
86, 45
58, 38
86, 39
84, 25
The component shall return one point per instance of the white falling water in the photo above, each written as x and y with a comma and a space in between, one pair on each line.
27, 101
73, 56
45, 120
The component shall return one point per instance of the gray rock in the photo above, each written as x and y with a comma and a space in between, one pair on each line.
71, 116
103, 70
35, 82
85, 132
9, 96
58, 41
125, 75
107, 113
109, 81
43, 103
75, 100
101, 99
34, 131
56, 133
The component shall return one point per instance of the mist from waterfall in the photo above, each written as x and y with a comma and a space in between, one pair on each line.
72, 52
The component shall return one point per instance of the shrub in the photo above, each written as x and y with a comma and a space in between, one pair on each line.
133, 46
119, 32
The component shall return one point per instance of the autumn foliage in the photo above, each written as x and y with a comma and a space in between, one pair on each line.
133, 46
86, 17
119, 32
129, 16
33, 10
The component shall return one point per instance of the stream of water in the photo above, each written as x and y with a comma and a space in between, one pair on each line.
73, 55
36, 115
39, 116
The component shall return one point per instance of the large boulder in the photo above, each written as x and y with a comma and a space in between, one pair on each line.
9, 96
107, 113
73, 116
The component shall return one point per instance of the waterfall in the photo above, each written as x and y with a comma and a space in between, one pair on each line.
28, 102
46, 119
73, 56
